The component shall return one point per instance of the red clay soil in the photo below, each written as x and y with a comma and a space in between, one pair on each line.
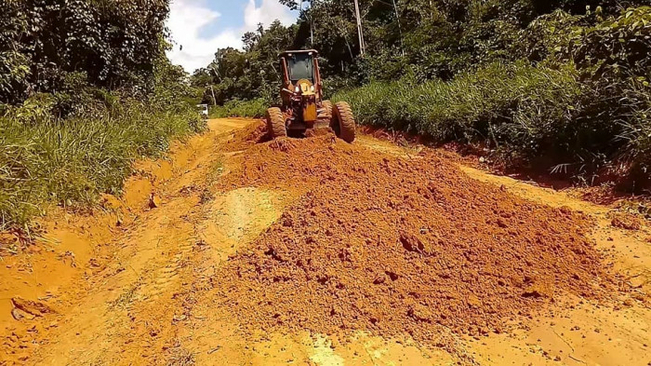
626, 221
398, 246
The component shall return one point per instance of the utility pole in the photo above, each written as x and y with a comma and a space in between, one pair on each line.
308, 16
402, 45
311, 30
360, 32
214, 100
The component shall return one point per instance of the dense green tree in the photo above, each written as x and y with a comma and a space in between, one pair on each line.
417, 39
422, 38
113, 43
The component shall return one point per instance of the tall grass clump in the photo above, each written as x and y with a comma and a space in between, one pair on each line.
70, 161
254, 108
529, 116
501, 103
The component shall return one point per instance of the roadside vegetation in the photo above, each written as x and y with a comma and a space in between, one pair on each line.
254, 108
78, 103
558, 87
582, 111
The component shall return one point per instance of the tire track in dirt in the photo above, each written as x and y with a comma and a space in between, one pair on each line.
127, 310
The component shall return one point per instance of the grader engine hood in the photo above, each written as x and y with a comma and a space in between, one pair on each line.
306, 87
308, 99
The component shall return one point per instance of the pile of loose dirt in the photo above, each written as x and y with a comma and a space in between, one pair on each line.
398, 246
244, 137
296, 164
626, 221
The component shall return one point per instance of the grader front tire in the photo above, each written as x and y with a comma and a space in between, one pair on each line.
343, 122
327, 108
276, 123
324, 119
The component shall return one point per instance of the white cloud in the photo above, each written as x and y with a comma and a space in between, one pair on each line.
268, 11
191, 51
188, 17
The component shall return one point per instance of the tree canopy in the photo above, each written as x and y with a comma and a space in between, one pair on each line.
424, 39
112, 44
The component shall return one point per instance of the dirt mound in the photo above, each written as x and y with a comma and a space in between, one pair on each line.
626, 221
243, 138
297, 164
395, 246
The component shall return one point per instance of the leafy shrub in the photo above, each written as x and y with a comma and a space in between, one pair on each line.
636, 136
621, 47
614, 58
255, 108
546, 35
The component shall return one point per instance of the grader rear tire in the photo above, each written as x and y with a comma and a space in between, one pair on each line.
276, 123
343, 122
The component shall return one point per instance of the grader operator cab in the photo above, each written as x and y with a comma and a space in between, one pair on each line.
303, 107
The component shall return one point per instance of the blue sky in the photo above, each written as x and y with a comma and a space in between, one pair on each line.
199, 27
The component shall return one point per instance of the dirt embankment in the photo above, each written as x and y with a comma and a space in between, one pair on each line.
396, 245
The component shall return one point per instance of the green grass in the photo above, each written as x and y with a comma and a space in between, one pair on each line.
69, 162
255, 108
530, 117
471, 106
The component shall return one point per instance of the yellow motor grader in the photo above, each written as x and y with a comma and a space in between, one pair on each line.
303, 107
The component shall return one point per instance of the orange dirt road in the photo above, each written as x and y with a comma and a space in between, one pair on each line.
238, 251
